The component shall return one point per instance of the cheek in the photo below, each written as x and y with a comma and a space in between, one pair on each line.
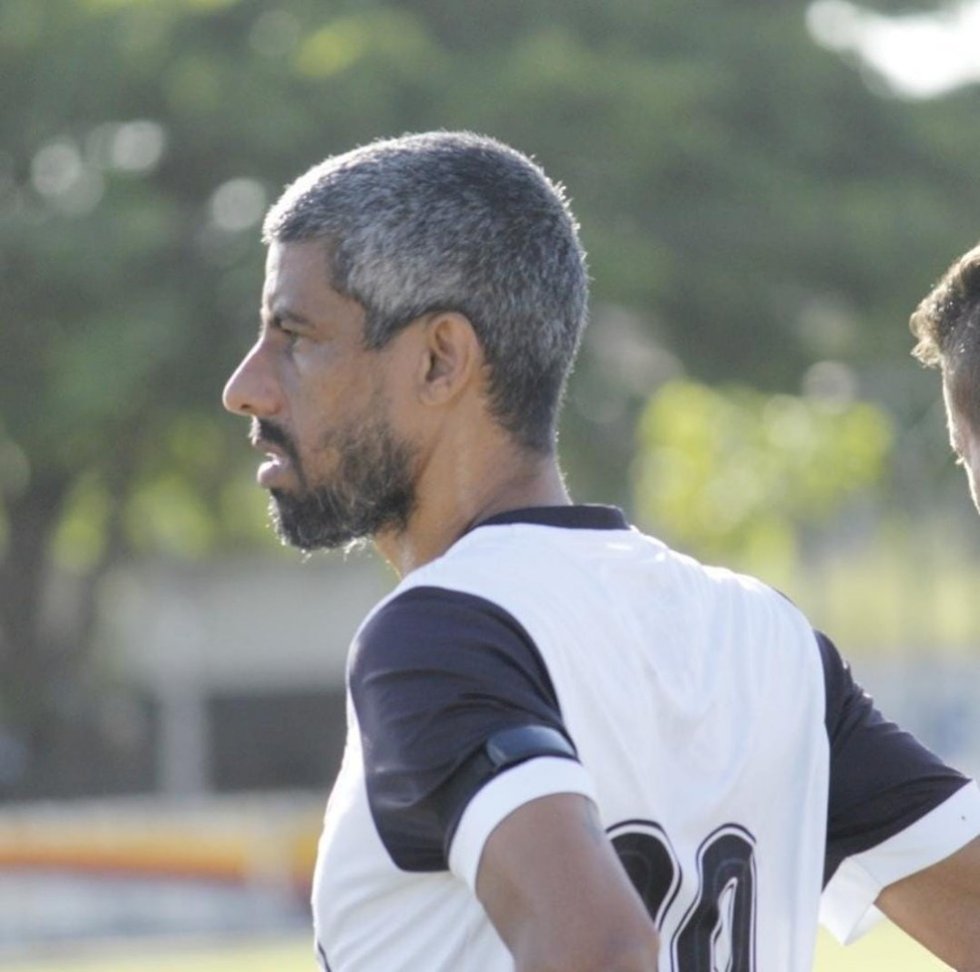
314, 392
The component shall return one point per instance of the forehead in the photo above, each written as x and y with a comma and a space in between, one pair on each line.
297, 283
295, 266
961, 386
949, 400
297, 288
957, 414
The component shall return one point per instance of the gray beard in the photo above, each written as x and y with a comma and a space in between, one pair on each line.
372, 491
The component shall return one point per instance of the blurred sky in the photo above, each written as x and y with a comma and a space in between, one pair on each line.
918, 55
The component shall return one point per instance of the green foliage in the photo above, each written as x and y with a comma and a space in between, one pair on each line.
729, 175
906, 590
736, 474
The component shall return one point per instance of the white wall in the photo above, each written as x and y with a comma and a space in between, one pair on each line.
240, 624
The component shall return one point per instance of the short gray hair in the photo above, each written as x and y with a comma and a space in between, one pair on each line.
454, 221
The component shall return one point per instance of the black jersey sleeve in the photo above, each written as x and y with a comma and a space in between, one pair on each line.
433, 676
882, 779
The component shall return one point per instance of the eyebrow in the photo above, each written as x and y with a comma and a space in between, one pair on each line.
283, 313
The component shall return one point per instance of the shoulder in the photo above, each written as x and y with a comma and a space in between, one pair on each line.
434, 675
426, 624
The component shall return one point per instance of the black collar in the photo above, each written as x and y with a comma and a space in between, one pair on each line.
583, 517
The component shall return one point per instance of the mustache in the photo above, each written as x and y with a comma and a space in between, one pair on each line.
264, 431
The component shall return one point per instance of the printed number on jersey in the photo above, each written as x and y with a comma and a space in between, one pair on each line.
712, 927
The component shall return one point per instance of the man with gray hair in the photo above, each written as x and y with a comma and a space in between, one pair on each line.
569, 747
947, 324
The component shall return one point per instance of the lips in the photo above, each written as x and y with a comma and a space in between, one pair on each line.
272, 470
277, 463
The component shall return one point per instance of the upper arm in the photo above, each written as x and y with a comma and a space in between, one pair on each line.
940, 907
433, 676
895, 809
554, 889
882, 779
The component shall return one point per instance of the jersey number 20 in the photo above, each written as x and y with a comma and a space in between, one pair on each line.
716, 932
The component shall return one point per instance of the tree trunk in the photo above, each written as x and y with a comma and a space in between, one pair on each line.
32, 519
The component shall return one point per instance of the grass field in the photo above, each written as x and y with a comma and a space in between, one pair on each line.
885, 950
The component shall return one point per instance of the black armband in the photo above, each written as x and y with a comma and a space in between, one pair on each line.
503, 750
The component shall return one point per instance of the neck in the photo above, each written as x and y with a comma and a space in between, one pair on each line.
463, 489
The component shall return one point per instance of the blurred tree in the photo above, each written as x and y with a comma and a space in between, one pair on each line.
750, 201
738, 475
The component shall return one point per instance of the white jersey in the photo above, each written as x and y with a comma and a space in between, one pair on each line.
736, 767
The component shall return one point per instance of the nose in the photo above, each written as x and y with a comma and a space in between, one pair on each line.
252, 389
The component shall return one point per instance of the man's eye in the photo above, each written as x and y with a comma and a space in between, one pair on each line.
276, 325
290, 335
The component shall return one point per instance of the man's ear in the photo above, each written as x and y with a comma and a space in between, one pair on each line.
452, 357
